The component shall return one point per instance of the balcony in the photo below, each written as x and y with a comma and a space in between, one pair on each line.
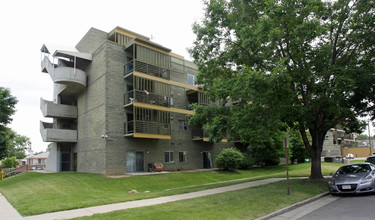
198, 134
149, 98
73, 78
52, 110
145, 129
50, 134
139, 66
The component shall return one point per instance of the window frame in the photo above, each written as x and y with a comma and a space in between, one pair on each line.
181, 127
184, 156
170, 157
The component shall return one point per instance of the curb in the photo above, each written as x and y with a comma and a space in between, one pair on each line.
287, 209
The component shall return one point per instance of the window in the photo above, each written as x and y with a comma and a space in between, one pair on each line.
168, 157
182, 125
182, 156
191, 80
39, 161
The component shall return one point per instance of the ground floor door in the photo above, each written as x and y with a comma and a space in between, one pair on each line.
207, 160
135, 161
66, 157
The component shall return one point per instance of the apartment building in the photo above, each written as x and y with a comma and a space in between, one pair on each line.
336, 140
120, 104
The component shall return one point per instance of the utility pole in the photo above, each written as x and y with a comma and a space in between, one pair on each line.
369, 137
286, 146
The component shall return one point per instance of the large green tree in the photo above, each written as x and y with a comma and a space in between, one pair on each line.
303, 64
11, 143
7, 108
16, 145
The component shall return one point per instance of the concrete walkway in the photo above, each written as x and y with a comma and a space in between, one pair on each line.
7, 211
11, 213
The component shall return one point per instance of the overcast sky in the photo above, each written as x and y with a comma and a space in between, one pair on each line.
26, 25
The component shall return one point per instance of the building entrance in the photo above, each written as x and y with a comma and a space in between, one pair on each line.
66, 158
207, 160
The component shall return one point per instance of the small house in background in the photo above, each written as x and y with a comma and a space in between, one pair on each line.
39, 160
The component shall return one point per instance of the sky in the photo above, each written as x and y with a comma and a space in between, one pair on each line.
26, 25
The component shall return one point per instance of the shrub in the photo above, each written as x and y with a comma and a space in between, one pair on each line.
229, 159
247, 162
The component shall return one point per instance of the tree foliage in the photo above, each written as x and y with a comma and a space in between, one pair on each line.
304, 64
297, 149
364, 137
7, 106
268, 152
11, 143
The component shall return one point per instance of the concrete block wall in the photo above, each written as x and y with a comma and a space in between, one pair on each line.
115, 113
92, 40
91, 152
330, 149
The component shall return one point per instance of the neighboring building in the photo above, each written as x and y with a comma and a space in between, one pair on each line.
39, 160
365, 143
121, 103
336, 140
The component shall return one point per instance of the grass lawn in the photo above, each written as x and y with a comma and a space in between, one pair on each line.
36, 193
356, 161
242, 204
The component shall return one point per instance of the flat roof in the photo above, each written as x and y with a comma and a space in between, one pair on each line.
65, 52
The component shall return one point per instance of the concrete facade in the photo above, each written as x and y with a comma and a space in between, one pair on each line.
335, 142
116, 135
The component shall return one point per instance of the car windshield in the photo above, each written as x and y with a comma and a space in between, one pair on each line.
371, 160
357, 168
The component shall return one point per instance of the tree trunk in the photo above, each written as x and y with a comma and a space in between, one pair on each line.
316, 168
316, 153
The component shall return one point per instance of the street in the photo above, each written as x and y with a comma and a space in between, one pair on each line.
346, 207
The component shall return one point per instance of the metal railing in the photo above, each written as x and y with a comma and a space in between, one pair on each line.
198, 134
129, 127
147, 127
146, 68
129, 97
149, 98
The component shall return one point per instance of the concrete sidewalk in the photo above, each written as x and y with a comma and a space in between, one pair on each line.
7, 211
11, 213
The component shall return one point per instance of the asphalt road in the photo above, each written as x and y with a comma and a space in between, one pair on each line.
356, 207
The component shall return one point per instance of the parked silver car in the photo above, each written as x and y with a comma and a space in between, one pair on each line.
353, 178
370, 159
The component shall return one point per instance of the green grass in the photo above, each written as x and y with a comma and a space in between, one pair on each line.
356, 161
249, 203
36, 193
